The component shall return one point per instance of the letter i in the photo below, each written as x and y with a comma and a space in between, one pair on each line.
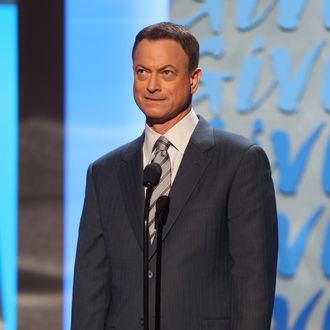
325, 258
326, 85
326, 169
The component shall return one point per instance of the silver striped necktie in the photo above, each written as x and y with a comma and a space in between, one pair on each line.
164, 185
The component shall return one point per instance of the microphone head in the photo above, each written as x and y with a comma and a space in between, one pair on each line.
151, 175
162, 209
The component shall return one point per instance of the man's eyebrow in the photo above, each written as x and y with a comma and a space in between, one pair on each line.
160, 68
139, 65
167, 66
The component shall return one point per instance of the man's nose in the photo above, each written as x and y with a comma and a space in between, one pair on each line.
153, 83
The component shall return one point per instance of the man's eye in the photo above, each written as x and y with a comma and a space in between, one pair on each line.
140, 71
167, 72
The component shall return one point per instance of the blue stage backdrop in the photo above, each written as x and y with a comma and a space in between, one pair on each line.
266, 75
100, 113
8, 164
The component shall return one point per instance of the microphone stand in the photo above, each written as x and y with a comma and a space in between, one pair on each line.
158, 276
151, 176
162, 209
146, 259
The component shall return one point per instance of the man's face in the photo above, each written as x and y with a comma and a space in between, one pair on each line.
163, 85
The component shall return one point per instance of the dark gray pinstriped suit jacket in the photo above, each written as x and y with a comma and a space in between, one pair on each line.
219, 242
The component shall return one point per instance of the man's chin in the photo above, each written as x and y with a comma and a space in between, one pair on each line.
156, 121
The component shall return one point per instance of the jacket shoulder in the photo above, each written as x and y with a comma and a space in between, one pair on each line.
233, 140
116, 156
206, 136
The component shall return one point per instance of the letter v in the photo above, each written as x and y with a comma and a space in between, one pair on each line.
290, 255
290, 173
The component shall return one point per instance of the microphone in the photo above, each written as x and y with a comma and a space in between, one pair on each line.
162, 209
151, 175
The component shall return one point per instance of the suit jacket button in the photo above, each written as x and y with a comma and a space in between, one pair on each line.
150, 274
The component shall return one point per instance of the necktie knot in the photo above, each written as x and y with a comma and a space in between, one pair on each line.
162, 144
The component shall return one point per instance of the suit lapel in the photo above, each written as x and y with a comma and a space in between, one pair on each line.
132, 189
192, 167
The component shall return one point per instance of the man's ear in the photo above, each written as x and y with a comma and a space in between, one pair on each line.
195, 78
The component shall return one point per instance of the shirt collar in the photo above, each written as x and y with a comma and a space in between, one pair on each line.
179, 135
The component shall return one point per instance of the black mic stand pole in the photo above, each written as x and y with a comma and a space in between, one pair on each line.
162, 209
146, 258
151, 176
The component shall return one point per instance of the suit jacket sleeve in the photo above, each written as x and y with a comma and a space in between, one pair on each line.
252, 225
91, 290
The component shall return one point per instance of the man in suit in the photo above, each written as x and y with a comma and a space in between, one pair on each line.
219, 247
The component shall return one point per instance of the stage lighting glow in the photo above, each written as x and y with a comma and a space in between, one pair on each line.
8, 164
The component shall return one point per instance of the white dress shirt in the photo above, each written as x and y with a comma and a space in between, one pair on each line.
179, 136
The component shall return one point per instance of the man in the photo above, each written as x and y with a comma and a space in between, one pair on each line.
219, 246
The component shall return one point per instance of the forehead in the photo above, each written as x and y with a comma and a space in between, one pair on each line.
160, 52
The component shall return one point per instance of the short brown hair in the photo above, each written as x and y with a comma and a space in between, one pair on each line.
167, 30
